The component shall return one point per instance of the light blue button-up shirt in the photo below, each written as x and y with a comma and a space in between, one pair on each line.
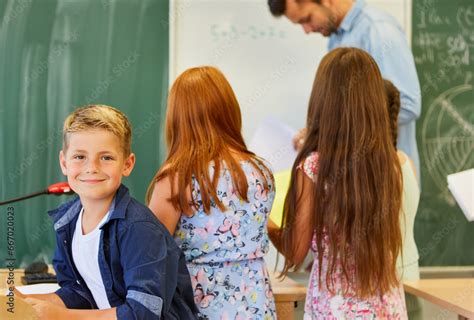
383, 38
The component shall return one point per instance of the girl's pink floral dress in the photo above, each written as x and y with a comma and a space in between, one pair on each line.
321, 304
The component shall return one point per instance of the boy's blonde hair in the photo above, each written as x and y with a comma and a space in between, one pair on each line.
99, 116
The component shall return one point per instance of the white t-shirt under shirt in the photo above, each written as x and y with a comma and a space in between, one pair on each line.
85, 252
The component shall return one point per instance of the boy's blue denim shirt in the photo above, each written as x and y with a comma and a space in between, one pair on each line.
143, 270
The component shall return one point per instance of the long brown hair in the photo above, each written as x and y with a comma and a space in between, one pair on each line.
357, 193
393, 104
203, 125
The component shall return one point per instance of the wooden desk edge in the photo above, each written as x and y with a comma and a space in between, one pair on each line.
440, 302
290, 296
287, 290
283, 291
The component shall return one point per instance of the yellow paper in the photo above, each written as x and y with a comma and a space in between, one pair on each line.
282, 182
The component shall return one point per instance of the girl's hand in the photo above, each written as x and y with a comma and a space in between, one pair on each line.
274, 233
46, 310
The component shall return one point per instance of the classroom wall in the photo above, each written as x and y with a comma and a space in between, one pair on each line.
443, 39
56, 55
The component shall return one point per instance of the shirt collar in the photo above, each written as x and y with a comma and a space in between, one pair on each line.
68, 211
119, 204
348, 21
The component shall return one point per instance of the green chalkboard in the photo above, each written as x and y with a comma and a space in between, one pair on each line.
56, 55
443, 47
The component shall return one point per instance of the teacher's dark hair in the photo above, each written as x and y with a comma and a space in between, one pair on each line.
277, 7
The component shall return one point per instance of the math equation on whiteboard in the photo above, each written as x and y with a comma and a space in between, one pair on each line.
253, 32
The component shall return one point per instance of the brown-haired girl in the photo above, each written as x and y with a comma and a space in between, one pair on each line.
408, 263
345, 196
214, 195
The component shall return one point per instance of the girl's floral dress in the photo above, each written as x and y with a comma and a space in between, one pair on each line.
321, 304
224, 250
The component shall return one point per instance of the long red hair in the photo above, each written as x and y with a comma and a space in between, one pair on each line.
203, 126
358, 190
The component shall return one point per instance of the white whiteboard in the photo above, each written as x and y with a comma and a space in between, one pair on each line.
269, 62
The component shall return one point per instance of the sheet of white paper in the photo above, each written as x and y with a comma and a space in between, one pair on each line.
38, 288
461, 185
273, 141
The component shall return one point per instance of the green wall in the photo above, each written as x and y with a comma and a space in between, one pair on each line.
56, 55
443, 40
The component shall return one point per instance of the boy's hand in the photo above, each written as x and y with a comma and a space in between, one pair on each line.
19, 294
48, 297
46, 310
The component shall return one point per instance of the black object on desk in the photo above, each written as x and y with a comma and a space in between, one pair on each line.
37, 272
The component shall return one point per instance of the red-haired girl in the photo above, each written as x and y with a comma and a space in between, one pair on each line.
214, 195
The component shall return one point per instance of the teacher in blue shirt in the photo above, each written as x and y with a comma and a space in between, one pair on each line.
350, 23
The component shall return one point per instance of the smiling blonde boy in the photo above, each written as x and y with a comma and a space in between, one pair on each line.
112, 254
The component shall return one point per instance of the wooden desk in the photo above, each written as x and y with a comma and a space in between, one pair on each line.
22, 310
287, 293
456, 295
4, 276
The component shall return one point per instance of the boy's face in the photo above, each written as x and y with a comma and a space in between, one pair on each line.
94, 164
